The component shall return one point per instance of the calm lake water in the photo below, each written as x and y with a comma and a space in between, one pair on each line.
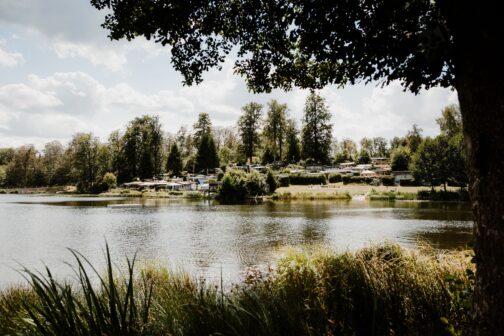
204, 237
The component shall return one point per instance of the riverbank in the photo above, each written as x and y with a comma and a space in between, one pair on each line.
332, 191
124, 192
380, 290
56, 190
116, 192
340, 191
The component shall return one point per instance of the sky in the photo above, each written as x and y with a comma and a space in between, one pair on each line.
60, 75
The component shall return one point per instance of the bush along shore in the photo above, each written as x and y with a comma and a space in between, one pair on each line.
461, 195
381, 290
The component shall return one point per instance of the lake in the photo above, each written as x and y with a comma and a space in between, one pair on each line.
205, 238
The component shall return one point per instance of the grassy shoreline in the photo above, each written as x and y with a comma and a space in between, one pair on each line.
333, 191
379, 290
340, 191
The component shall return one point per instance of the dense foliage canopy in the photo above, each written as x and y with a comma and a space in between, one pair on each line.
295, 42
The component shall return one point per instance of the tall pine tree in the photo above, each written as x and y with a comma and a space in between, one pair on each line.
207, 157
174, 162
201, 127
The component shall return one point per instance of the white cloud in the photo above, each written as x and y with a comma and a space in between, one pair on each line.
42, 107
72, 30
389, 111
110, 58
10, 59
59, 105
215, 95
23, 97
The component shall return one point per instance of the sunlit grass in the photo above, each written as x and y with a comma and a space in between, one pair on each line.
374, 195
380, 290
286, 196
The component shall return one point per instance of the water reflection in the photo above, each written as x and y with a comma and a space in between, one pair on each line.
446, 237
207, 238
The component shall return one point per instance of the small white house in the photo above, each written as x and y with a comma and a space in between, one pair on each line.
368, 173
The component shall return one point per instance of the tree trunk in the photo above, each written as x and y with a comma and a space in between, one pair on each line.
481, 96
479, 79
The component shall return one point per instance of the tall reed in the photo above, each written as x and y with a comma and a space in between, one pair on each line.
380, 290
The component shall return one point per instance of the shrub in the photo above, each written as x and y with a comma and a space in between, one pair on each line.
335, 178
346, 179
236, 186
388, 180
193, 194
390, 196
233, 186
307, 179
284, 180
408, 183
361, 179
452, 183
461, 195
256, 184
272, 182
110, 180
98, 188
175, 193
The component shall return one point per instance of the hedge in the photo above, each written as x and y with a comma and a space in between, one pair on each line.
335, 178
362, 179
408, 183
461, 195
388, 180
284, 180
346, 179
305, 179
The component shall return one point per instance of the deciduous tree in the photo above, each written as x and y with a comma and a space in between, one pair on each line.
437, 161
364, 157
450, 121
274, 128
142, 148
84, 148
248, 125
400, 158
316, 134
293, 147
413, 138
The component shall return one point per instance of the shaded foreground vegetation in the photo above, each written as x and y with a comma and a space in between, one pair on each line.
382, 290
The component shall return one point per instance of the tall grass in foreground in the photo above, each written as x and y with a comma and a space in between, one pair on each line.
381, 290
115, 306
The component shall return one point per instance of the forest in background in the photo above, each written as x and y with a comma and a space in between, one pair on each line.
263, 134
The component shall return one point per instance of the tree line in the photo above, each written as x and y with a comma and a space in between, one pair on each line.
264, 134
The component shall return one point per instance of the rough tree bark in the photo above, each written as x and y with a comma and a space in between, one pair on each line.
483, 111
479, 73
